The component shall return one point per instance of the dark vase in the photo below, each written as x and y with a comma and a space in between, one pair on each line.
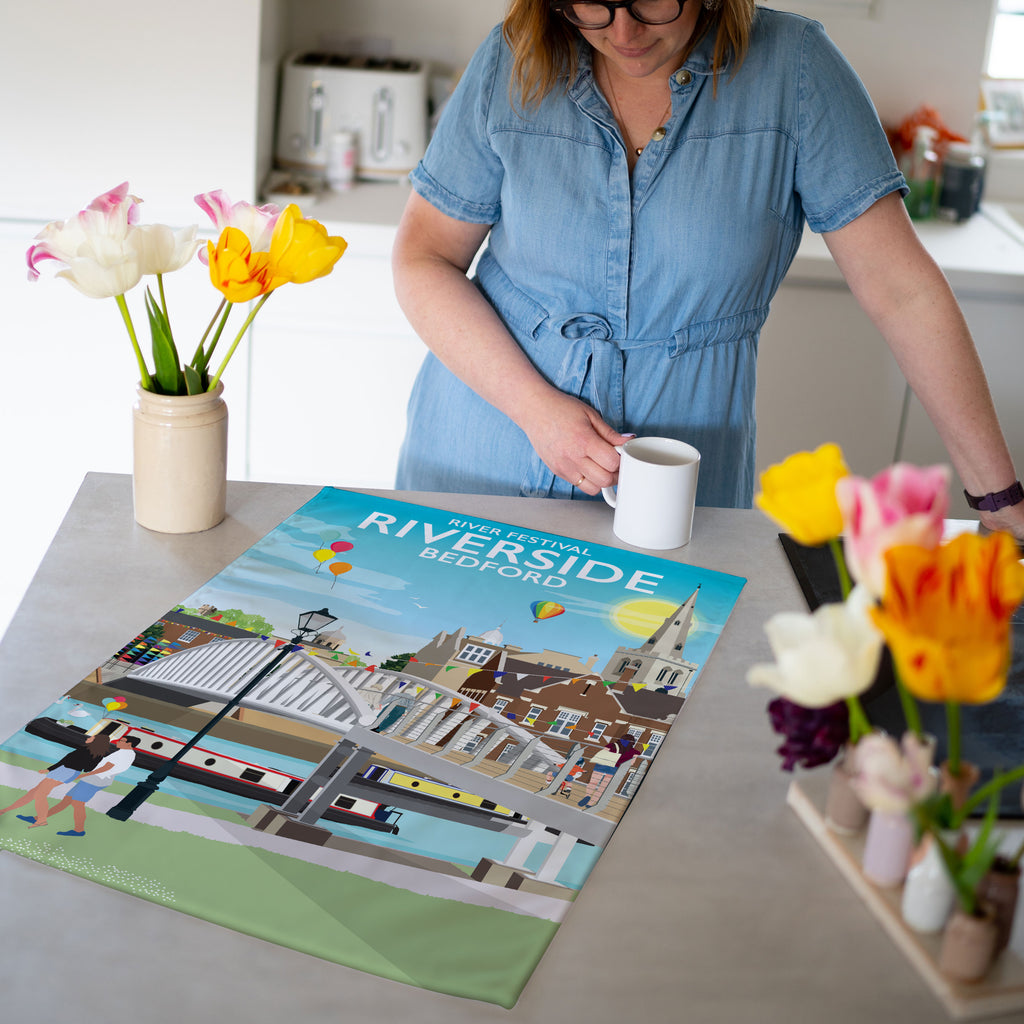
999, 888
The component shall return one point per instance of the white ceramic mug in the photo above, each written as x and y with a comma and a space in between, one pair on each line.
656, 492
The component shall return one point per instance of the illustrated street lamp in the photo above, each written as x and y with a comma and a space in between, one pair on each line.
310, 624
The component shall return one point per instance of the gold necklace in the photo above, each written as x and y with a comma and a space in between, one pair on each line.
656, 136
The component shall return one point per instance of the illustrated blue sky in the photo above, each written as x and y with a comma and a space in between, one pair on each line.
409, 583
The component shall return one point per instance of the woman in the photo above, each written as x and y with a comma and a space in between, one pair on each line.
73, 764
642, 172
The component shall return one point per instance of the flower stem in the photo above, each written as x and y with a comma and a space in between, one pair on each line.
953, 736
144, 377
910, 712
238, 337
845, 586
201, 359
859, 724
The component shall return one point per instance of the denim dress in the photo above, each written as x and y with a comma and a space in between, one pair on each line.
642, 295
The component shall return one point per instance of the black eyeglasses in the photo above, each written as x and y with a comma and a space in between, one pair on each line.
589, 14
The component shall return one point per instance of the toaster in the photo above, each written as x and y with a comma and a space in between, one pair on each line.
382, 100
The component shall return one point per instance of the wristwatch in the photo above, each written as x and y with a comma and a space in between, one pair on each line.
995, 500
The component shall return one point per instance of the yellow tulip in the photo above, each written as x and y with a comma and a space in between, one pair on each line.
301, 250
800, 494
946, 616
235, 270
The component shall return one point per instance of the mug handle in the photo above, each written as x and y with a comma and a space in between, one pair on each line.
608, 493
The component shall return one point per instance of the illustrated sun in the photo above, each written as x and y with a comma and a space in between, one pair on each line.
641, 618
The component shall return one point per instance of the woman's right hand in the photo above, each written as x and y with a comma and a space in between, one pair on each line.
574, 442
431, 255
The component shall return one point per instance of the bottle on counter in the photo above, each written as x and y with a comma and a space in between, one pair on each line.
341, 160
921, 167
963, 177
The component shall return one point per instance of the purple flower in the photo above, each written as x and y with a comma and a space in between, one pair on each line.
814, 736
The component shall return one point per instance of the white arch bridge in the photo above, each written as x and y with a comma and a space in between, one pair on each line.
420, 726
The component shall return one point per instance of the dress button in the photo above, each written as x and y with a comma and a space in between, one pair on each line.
683, 77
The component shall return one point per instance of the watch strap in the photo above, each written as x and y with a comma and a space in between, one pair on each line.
995, 500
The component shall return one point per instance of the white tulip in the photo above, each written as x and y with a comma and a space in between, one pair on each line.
824, 657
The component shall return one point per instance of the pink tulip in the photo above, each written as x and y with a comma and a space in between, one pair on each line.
255, 222
903, 504
93, 245
891, 777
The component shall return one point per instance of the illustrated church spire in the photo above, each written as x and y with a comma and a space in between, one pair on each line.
669, 638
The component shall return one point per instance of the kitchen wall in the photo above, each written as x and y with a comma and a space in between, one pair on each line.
99, 92
909, 52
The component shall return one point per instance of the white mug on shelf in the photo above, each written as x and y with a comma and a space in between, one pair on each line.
656, 491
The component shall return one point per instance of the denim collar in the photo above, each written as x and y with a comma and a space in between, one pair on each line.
700, 61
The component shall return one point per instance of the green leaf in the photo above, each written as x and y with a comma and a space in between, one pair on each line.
165, 355
193, 381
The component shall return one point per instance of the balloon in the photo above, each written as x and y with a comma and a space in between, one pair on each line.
545, 610
322, 555
328, 535
341, 545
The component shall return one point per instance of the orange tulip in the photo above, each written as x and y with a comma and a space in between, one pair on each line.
235, 270
946, 616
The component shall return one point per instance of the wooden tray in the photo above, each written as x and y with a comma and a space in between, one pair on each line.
1002, 991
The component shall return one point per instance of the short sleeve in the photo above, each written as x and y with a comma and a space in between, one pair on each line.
460, 174
844, 161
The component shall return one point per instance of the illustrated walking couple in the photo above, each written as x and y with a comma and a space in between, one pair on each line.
91, 768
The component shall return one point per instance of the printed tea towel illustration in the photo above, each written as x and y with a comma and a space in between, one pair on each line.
387, 735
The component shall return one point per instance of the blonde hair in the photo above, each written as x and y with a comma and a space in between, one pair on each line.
543, 44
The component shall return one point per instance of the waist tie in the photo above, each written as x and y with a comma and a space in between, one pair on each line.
593, 351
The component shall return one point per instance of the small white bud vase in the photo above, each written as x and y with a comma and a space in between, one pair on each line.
179, 480
928, 893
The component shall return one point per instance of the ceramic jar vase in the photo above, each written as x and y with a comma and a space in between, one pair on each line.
845, 813
180, 460
959, 786
968, 945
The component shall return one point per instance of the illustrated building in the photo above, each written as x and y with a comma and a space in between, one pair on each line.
557, 695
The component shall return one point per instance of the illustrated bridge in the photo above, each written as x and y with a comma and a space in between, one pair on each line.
431, 736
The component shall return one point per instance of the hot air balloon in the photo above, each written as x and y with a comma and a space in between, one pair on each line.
545, 610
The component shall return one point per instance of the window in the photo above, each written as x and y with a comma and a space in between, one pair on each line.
500, 704
1006, 54
188, 636
473, 653
598, 731
565, 721
532, 714
653, 744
